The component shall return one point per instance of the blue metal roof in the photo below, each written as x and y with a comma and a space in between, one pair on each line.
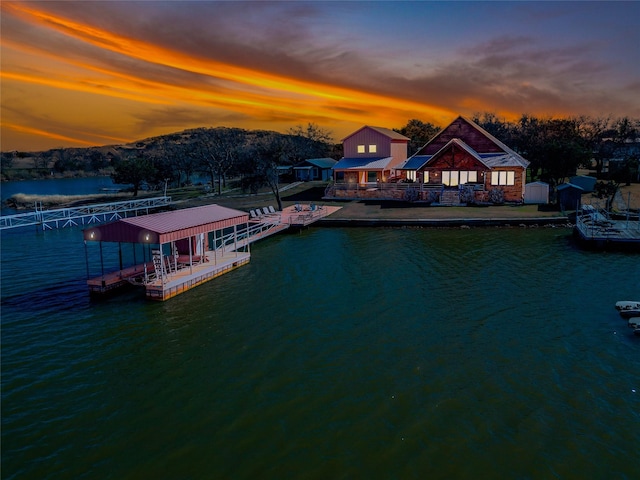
414, 163
321, 162
362, 163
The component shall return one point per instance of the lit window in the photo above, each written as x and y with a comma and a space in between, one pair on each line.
373, 148
425, 177
503, 178
455, 178
360, 148
411, 175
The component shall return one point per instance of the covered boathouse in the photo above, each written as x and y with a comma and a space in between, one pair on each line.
170, 252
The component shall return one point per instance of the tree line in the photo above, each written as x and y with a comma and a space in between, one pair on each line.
556, 148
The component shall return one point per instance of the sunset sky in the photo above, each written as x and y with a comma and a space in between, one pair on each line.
97, 73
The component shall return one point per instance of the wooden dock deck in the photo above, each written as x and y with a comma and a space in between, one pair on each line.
304, 215
166, 286
174, 280
596, 228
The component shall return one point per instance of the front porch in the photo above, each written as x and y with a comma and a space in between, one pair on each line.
409, 192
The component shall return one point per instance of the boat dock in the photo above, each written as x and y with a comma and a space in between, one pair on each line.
185, 248
85, 215
597, 227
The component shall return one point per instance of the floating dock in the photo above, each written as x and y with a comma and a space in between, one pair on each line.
185, 248
597, 228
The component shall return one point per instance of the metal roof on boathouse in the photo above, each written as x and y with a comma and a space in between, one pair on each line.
167, 226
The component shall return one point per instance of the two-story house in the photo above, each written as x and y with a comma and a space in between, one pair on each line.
370, 156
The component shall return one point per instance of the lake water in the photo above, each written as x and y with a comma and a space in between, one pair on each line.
336, 353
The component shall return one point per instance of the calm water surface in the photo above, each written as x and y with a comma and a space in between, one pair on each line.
336, 353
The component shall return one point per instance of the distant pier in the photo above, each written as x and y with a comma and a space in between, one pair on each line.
84, 215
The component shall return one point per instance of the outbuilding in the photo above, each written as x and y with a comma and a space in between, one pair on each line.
569, 196
536, 193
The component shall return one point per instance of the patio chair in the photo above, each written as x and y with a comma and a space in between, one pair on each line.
265, 210
271, 209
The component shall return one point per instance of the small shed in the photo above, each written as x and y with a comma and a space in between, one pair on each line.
536, 193
585, 182
569, 196
315, 169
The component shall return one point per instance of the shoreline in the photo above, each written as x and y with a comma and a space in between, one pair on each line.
448, 222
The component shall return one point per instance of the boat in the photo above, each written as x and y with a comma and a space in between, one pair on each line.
627, 305
630, 313
635, 324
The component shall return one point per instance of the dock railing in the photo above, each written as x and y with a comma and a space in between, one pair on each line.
83, 215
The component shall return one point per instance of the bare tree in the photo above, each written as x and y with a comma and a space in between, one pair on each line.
216, 152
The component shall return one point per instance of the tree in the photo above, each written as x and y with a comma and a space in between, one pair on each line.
418, 132
309, 142
312, 132
266, 152
501, 129
555, 147
594, 131
216, 152
133, 171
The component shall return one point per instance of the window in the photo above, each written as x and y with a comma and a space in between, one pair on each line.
425, 177
411, 175
503, 178
339, 176
455, 178
360, 148
372, 177
373, 148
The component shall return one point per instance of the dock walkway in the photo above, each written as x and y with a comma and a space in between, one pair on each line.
84, 215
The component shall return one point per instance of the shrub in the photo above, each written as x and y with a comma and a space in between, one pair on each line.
496, 196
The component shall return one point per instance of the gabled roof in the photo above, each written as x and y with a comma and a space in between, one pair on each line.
384, 131
511, 156
460, 144
318, 162
363, 163
565, 186
167, 226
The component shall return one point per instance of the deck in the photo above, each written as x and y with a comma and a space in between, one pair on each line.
187, 276
180, 274
597, 228
304, 215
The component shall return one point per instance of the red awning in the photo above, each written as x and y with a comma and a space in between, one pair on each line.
167, 226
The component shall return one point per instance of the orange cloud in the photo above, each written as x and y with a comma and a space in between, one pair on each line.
250, 92
47, 134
